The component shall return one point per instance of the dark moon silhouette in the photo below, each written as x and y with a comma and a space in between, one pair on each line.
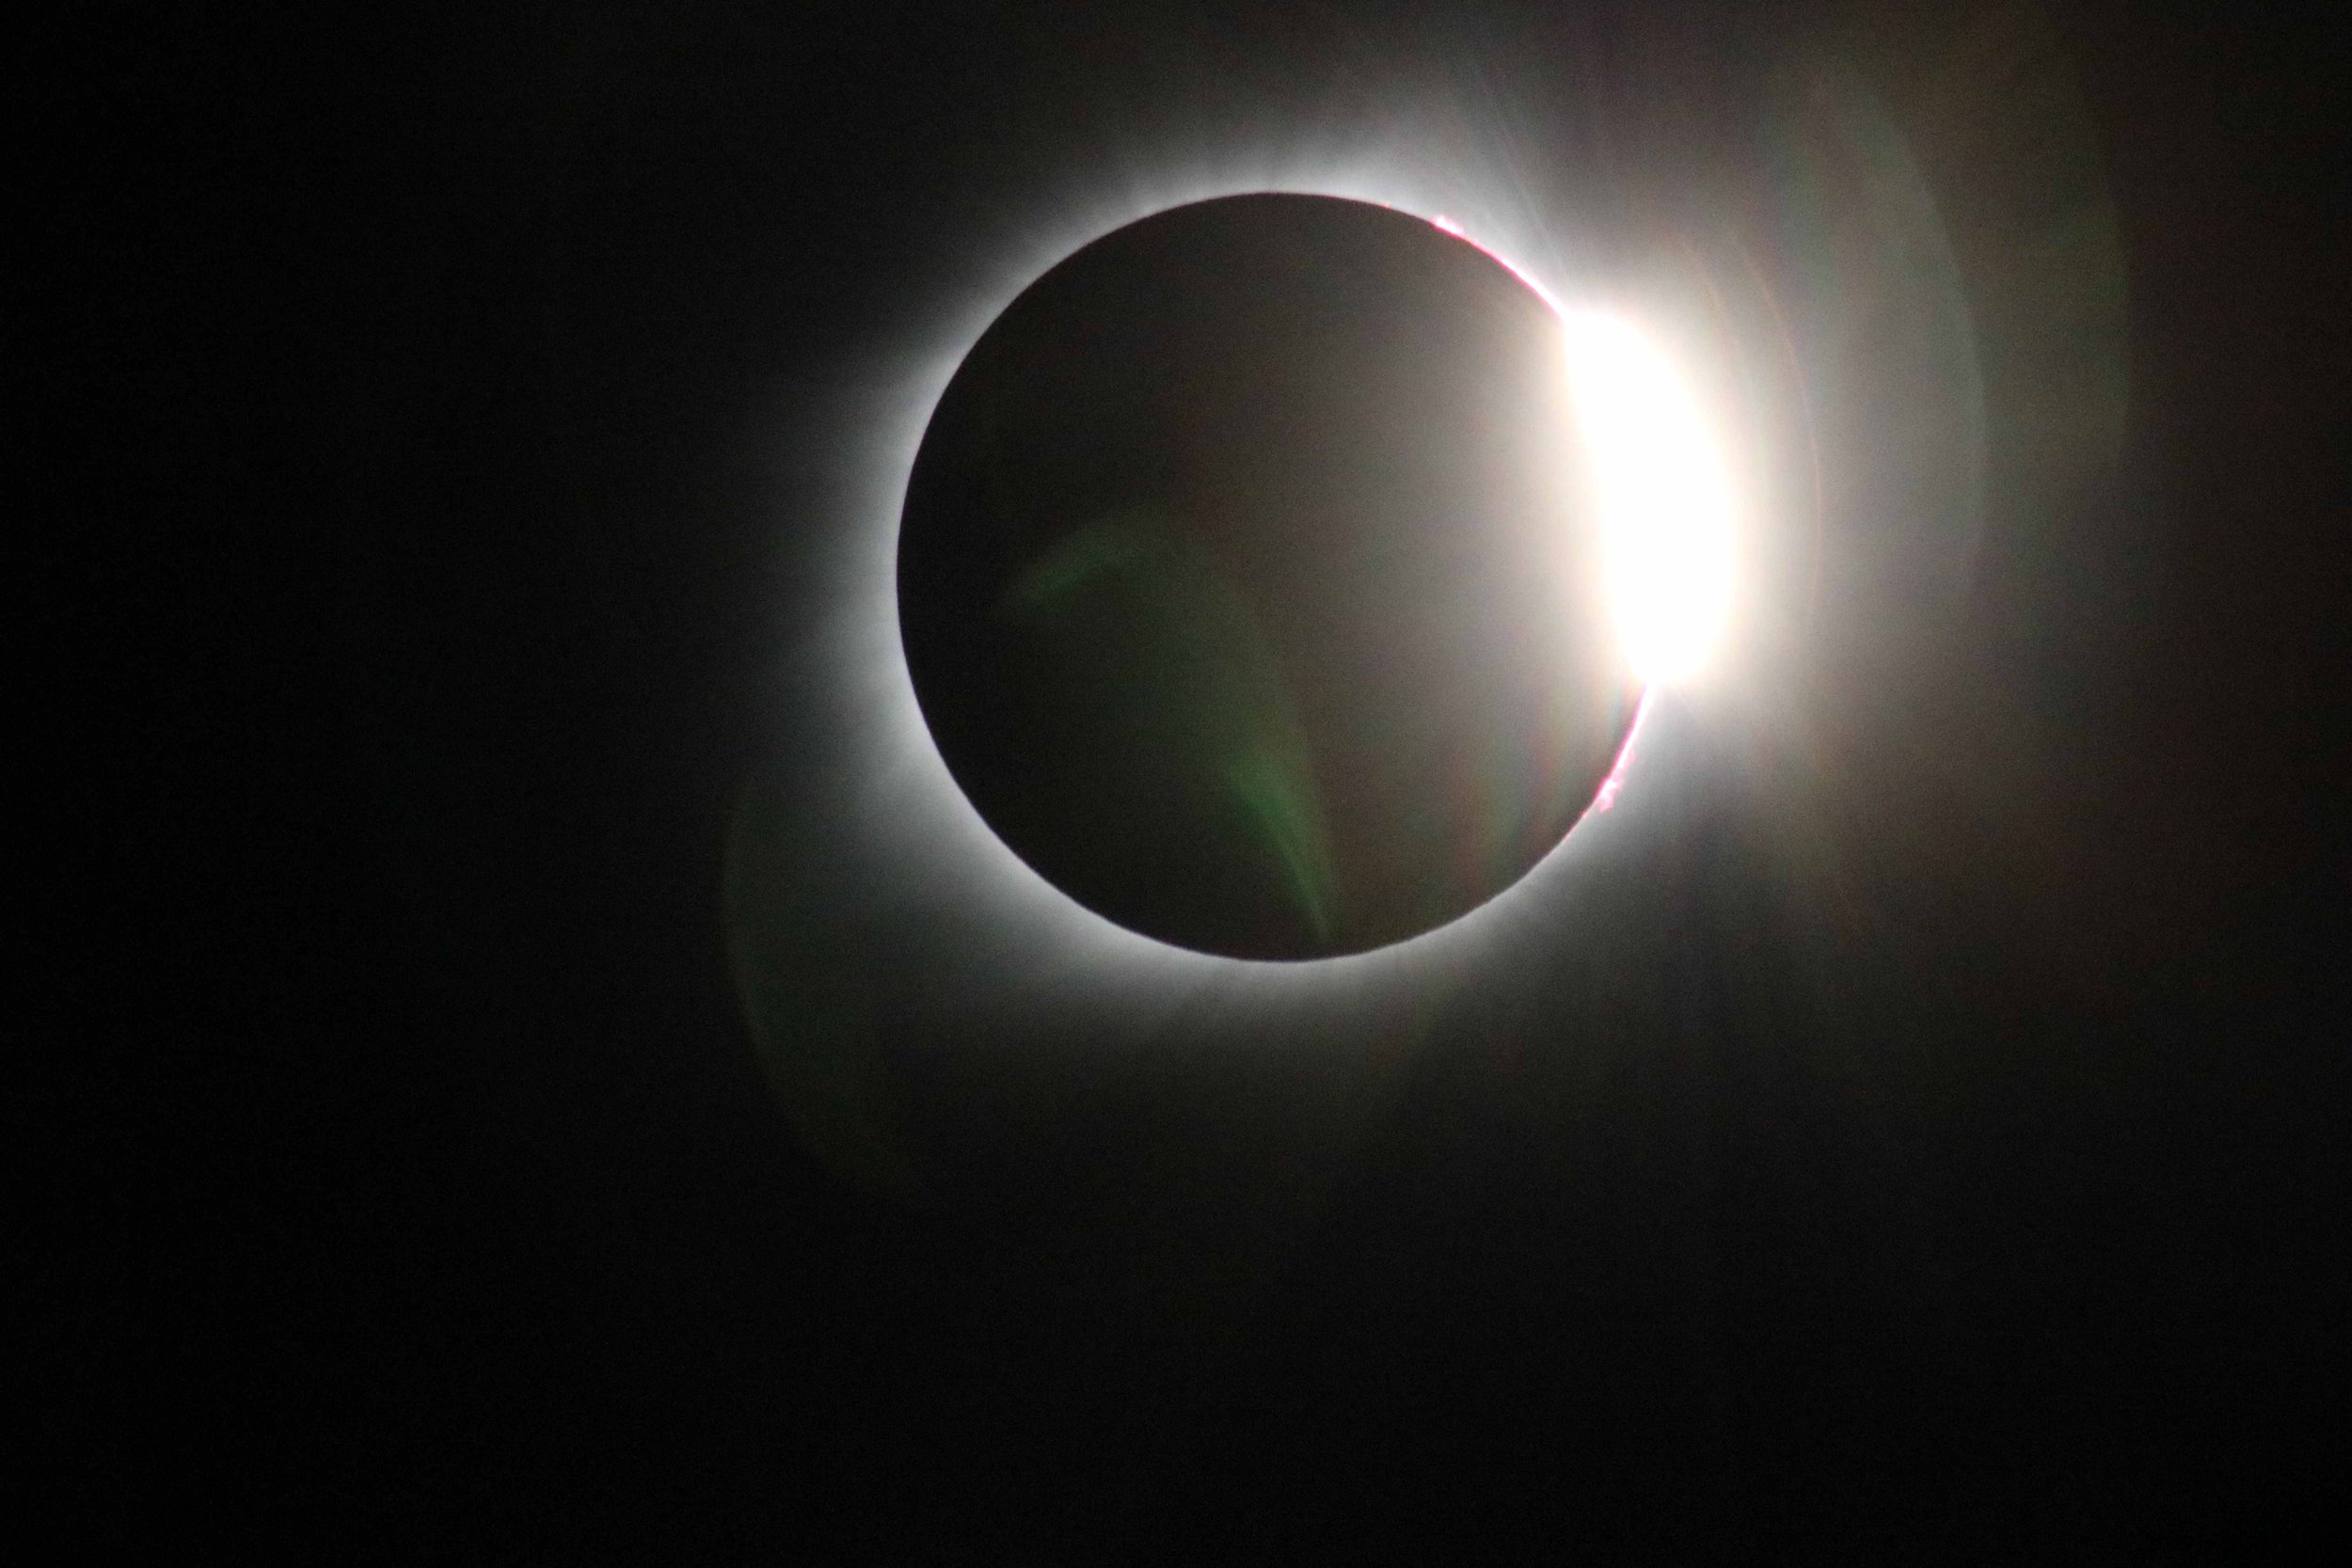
1247, 586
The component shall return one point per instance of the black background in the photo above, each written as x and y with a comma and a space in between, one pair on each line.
420, 1188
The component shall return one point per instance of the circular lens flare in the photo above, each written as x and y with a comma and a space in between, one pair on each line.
1663, 491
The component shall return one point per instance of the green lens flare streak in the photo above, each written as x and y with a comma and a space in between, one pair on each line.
1283, 805
1149, 611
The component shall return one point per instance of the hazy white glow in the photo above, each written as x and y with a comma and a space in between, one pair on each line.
1663, 493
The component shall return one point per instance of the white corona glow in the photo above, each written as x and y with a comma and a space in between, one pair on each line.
1663, 493
917, 833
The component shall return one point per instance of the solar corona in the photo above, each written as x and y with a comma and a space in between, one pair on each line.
1281, 577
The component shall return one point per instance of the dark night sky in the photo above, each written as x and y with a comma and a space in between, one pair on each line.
424, 1189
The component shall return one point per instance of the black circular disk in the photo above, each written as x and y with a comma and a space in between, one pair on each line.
1247, 582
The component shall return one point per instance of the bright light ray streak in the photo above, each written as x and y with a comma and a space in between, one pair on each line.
1804, 416
928, 846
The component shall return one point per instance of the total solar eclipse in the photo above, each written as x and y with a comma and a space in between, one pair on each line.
1278, 576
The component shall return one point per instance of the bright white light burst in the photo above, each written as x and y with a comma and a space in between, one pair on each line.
1663, 493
